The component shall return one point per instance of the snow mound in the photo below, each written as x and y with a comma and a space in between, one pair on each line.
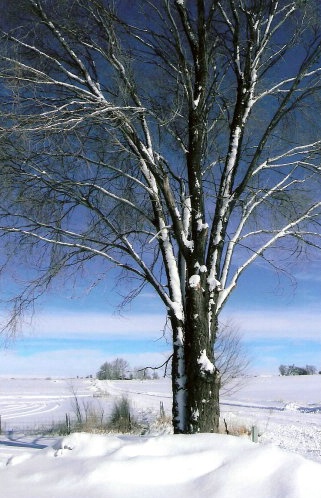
204, 465
310, 408
293, 407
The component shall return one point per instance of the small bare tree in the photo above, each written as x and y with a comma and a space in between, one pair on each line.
231, 357
176, 141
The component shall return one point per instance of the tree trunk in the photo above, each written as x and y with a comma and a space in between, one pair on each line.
202, 376
203, 384
195, 379
178, 378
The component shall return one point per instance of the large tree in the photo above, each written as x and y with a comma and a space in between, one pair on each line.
175, 140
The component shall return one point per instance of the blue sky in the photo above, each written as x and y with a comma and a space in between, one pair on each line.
280, 323
74, 333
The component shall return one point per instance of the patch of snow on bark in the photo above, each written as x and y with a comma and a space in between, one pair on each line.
201, 226
180, 337
213, 283
196, 102
200, 268
194, 281
205, 364
178, 310
195, 415
217, 238
187, 243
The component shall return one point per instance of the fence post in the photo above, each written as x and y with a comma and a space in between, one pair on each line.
161, 410
254, 434
68, 423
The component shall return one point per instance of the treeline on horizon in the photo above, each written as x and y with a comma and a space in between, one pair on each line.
120, 369
294, 370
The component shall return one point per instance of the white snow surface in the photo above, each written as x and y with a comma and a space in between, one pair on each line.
286, 463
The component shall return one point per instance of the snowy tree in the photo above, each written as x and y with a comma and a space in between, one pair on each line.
311, 369
283, 369
295, 370
175, 141
105, 372
121, 368
117, 369
141, 373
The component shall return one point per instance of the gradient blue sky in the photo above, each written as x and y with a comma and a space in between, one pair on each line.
280, 323
73, 333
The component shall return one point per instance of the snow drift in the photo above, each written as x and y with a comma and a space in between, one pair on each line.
204, 465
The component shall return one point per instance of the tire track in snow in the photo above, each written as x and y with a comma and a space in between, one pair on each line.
31, 410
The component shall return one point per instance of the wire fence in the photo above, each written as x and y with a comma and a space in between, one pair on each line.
123, 422
43, 426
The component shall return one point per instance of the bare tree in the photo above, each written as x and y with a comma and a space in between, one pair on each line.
231, 357
175, 141
121, 368
117, 369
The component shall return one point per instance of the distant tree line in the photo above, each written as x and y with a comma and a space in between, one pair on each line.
294, 370
120, 369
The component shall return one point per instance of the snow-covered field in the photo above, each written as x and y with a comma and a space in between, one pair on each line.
286, 411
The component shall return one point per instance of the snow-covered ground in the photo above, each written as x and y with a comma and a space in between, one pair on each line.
26, 401
286, 411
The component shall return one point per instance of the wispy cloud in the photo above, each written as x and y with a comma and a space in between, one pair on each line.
287, 323
94, 325
310, 275
68, 363
282, 332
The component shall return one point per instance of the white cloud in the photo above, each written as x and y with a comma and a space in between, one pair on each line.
294, 324
288, 323
68, 363
93, 325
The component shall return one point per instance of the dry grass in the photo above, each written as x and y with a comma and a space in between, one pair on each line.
234, 428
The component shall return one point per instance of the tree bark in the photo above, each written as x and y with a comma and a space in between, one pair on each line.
179, 406
195, 378
202, 376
